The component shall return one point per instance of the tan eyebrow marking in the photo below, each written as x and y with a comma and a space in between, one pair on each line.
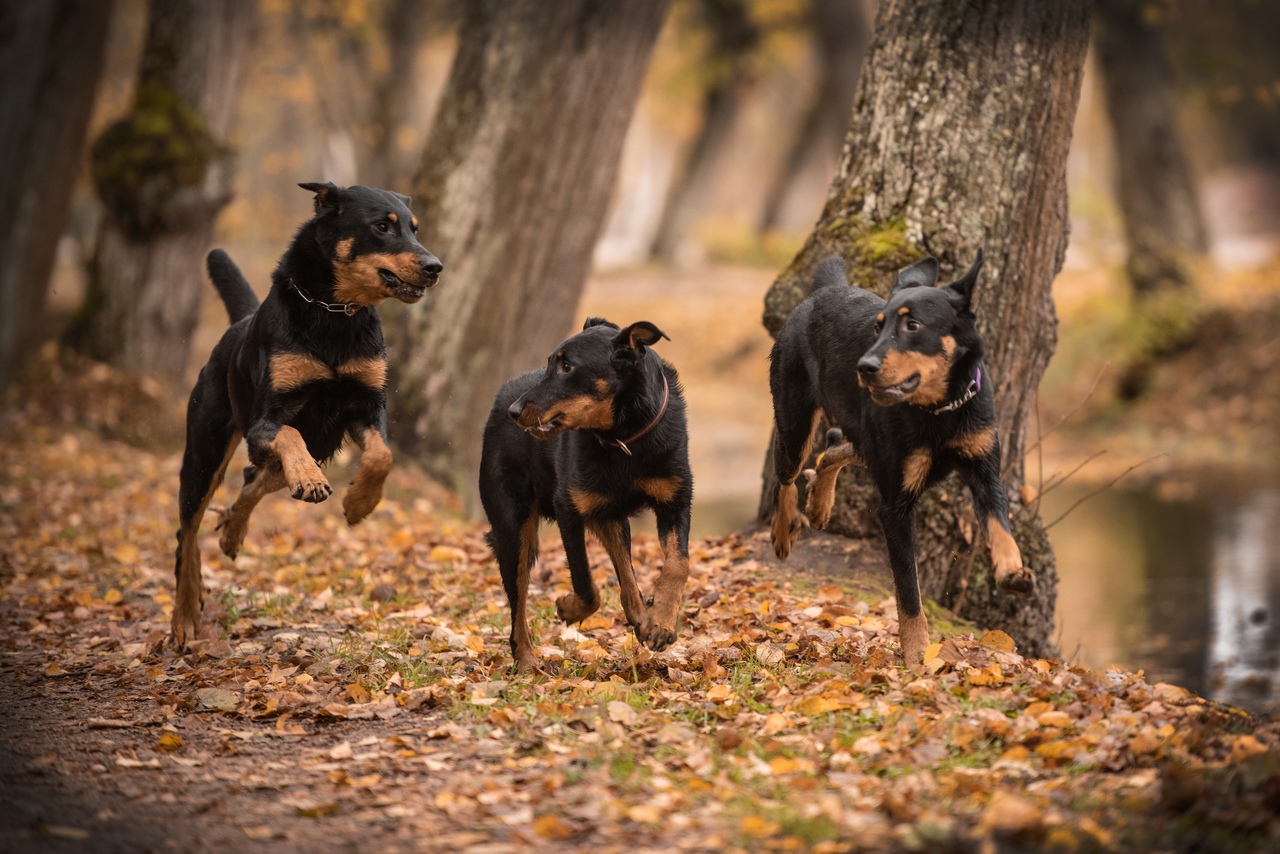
393, 217
903, 310
414, 222
880, 317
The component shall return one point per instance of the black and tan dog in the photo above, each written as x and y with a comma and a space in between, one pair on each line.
590, 441
299, 373
903, 383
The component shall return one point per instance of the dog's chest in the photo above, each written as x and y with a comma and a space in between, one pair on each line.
623, 496
290, 372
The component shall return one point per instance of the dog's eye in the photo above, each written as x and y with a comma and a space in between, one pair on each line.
565, 367
382, 226
914, 325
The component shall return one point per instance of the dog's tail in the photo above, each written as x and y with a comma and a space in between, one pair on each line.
830, 272
232, 286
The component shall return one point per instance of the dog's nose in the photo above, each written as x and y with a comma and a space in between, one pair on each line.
515, 409
430, 265
869, 366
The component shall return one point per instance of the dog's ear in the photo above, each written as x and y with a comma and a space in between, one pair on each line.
598, 321
638, 335
961, 290
328, 194
408, 200
921, 274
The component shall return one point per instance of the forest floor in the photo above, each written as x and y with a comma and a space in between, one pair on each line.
353, 691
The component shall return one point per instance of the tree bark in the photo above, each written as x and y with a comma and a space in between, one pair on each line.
959, 139
51, 56
1154, 186
163, 173
734, 38
512, 194
841, 30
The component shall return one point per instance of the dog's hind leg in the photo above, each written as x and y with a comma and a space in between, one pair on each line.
615, 536
234, 521
375, 465
585, 599
982, 474
515, 545
822, 481
793, 440
208, 450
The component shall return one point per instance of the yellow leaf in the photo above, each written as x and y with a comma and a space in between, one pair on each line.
1035, 710
783, 765
54, 669
990, 675
644, 814
1057, 719
1246, 746
932, 651
595, 621
448, 554
551, 827
125, 553
719, 693
170, 742
475, 643
998, 640
775, 724
357, 694
112, 597
848, 621
758, 826
830, 594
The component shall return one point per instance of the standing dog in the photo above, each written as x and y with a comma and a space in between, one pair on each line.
297, 374
590, 442
903, 383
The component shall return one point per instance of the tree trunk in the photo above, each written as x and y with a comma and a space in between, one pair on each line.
959, 139
1157, 197
841, 30
163, 173
734, 39
50, 60
512, 195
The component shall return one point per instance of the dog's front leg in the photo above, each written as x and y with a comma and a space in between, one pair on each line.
992, 505
273, 443
897, 517
615, 536
375, 465
585, 599
659, 630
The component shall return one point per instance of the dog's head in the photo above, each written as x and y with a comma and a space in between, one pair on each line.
584, 378
371, 237
921, 334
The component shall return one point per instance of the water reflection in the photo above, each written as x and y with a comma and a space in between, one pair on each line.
1183, 583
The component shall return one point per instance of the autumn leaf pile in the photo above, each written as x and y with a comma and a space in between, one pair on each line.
353, 688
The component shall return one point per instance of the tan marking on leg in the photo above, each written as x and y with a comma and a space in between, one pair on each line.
234, 521
822, 490
185, 622
526, 658
915, 471
913, 634
975, 445
659, 628
1006, 560
370, 371
787, 519
660, 489
303, 477
366, 488
587, 503
290, 371
610, 536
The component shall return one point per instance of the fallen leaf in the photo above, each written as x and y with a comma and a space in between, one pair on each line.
998, 641
218, 699
621, 713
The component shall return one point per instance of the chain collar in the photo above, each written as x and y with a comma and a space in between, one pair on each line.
347, 308
975, 386
622, 443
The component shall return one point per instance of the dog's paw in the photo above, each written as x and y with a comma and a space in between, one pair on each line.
526, 663
572, 608
816, 511
185, 626
358, 503
655, 635
232, 536
311, 487
1018, 581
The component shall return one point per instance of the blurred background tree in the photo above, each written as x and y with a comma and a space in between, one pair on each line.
163, 173
51, 55
512, 191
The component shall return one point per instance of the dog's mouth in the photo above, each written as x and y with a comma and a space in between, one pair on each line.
888, 395
546, 429
408, 292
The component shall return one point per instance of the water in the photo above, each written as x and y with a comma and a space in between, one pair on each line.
1181, 580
